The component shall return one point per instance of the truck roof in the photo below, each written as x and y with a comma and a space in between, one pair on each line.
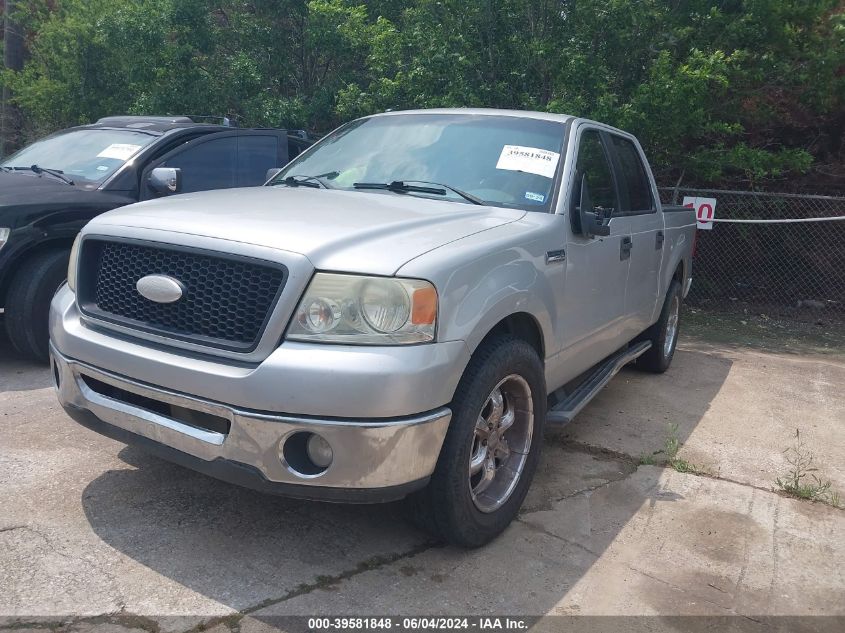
158, 124
525, 114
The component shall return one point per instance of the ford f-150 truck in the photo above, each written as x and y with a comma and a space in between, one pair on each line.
51, 188
398, 313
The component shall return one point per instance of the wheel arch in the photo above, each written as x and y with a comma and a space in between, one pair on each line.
680, 273
521, 325
14, 263
518, 324
677, 268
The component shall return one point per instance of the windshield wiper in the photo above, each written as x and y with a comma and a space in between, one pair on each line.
299, 180
56, 173
403, 186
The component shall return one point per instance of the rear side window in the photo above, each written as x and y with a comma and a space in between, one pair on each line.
256, 154
634, 179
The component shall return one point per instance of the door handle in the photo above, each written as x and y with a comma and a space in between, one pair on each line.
625, 247
658, 242
555, 256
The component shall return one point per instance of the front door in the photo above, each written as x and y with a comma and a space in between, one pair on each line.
592, 313
236, 158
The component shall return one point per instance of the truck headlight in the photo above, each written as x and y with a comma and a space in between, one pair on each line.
4, 235
73, 264
361, 310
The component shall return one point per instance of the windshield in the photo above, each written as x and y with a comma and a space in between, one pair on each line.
87, 154
505, 161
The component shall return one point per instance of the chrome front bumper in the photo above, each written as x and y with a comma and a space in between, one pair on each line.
374, 460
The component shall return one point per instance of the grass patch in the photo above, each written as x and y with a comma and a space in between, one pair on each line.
671, 446
801, 481
647, 460
669, 452
683, 466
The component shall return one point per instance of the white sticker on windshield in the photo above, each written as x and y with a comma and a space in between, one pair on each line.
531, 160
119, 151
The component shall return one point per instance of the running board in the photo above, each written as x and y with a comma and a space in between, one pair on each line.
571, 404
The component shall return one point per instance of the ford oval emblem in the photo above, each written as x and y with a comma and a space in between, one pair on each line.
160, 288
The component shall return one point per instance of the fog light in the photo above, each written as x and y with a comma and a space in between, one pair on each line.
319, 451
306, 454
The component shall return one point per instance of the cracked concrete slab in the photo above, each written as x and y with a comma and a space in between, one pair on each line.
96, 535
736, 412
656, 542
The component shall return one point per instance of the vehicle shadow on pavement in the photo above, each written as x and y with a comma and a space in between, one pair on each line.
232, 544
246, 550
16, 373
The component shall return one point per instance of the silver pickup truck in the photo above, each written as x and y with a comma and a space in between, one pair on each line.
398, 313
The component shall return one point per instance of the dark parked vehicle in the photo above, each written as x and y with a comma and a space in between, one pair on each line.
50, 189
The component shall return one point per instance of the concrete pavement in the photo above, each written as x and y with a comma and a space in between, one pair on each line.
736, 411
90, 528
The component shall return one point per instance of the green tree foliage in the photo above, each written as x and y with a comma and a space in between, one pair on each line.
718, 90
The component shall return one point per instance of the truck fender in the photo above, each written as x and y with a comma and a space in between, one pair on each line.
515, 288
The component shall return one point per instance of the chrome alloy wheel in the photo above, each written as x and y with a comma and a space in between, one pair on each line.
501, 443
672, 326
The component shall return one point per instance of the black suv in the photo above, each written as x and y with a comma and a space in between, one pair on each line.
51, 188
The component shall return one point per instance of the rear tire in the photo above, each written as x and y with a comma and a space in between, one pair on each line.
663, 334
28, 303
471, 498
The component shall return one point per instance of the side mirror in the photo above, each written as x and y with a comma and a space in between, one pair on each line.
165, 180
271, 173
591, 224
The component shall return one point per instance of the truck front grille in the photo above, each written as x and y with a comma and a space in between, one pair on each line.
227, 299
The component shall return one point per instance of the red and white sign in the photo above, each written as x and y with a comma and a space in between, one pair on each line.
705, 210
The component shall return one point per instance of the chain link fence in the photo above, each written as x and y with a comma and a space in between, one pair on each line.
778, 253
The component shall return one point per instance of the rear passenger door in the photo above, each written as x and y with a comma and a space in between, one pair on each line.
647, 234
222, 160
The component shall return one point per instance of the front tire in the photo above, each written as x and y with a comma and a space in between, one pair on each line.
663, 334
492, 447
28, 303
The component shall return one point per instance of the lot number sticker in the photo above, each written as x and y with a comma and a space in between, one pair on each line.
119, 151
705, 210
531, 160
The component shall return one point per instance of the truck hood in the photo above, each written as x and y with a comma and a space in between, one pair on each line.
355, 231
14, 185
26, 198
